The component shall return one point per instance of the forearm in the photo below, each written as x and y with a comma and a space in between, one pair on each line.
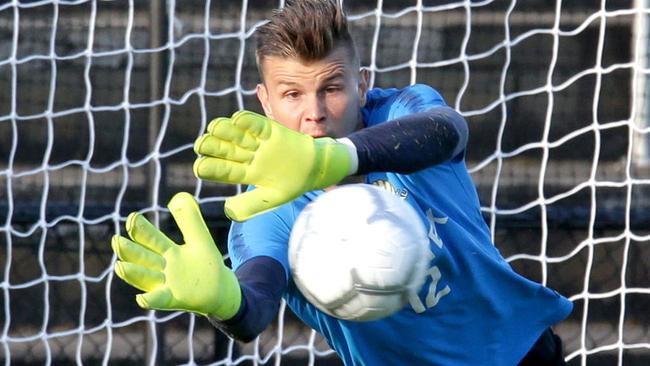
262, 280
410, 143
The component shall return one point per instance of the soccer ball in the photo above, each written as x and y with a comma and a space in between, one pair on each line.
358, 252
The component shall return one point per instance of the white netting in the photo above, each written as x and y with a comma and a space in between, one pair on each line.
101, 100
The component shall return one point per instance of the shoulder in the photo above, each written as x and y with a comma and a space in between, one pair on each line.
387, 104
378, 97
418, 97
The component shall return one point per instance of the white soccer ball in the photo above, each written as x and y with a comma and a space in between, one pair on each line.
359, 252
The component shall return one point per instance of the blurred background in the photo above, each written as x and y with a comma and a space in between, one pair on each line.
100, 102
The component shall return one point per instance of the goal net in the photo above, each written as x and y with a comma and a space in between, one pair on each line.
100, 102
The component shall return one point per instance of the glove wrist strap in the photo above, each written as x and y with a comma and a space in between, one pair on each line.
352, 150
230, 298
335, 162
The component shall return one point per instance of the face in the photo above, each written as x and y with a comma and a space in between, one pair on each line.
319, 98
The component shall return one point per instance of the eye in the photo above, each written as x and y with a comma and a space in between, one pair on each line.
333, 88
292, 94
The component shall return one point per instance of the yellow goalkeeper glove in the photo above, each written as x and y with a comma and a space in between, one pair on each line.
249, 148
190, 277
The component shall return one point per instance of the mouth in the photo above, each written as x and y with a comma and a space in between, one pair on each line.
315, 130
317, 133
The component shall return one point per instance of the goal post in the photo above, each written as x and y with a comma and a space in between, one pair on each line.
100, 102
641, 41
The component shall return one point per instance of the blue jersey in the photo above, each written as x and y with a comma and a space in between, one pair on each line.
473, 309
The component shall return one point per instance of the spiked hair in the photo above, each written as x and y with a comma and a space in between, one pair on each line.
308, 30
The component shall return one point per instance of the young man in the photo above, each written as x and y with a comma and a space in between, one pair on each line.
473, 309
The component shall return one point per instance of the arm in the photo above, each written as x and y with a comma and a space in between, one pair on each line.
410, 143
283, 164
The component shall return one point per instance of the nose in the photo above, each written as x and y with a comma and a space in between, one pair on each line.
314, 109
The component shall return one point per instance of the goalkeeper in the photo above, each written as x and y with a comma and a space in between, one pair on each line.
330, 127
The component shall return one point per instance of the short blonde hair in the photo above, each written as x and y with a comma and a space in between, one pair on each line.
308, 30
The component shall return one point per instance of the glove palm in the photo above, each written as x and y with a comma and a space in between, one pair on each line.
283, 164
190, 277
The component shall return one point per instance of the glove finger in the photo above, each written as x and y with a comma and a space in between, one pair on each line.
147, 235
187, 214
254, 124
218, 121
224, 129
252, 203
138, 276
129, 251
215, 147
220, 170
158, 299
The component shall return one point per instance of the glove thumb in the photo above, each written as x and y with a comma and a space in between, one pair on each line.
248, 204
159, 299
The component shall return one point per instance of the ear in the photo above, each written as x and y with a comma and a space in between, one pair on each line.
364, 77
263, 97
